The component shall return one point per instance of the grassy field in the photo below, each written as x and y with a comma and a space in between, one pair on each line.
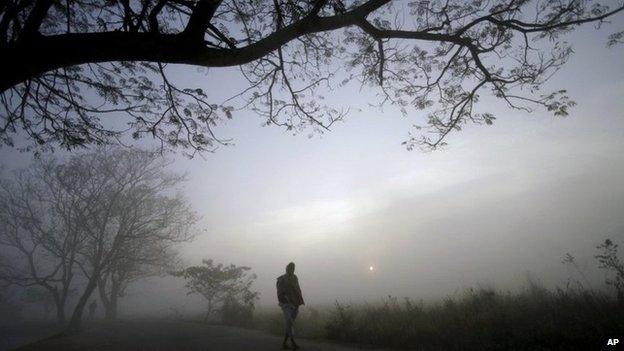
481, 319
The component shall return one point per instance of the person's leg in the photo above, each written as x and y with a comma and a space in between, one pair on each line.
294, 313
285, 343
287, 325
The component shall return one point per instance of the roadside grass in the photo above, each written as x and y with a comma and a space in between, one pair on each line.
479, 319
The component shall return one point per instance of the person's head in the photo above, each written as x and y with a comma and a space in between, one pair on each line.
290, 268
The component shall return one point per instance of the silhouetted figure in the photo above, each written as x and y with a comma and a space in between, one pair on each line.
289, 297
92, 308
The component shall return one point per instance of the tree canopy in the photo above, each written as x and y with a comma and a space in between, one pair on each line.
223, 287
67, 64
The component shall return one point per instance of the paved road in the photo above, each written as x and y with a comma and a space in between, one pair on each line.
172, 335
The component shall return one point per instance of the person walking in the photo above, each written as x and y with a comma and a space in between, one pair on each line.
289, 298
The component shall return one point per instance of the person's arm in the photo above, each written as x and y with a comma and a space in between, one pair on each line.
298, 289
280, 289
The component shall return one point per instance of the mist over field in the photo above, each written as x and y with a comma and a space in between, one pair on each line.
368, 222
499, 202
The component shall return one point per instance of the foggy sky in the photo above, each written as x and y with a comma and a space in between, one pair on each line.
498, 202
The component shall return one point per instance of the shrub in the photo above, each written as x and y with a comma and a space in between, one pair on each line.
233, 312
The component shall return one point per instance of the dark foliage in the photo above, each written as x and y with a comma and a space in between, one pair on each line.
226, 289
70, 65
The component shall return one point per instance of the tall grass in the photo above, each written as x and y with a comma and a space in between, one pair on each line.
479, 319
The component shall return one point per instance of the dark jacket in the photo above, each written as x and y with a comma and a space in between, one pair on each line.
288, 290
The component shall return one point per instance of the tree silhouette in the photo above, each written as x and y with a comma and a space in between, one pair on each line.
96, 221
40, 236
221, 286
67, 64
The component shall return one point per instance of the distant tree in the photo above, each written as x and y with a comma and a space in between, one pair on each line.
134, 219
40, 231
221, 286
609, 260
68, 64
146, 252
112, 215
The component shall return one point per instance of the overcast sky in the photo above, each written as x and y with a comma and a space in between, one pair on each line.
498, 202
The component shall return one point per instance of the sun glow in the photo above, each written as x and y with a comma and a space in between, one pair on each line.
313, 222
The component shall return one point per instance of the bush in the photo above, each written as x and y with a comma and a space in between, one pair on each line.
233, 312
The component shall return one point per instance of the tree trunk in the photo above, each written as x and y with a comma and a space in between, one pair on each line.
209, 312
76, 318
109, 299
59, 303
111, 308
104, 296
60, 313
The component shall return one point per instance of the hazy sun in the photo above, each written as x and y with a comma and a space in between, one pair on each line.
371, 268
